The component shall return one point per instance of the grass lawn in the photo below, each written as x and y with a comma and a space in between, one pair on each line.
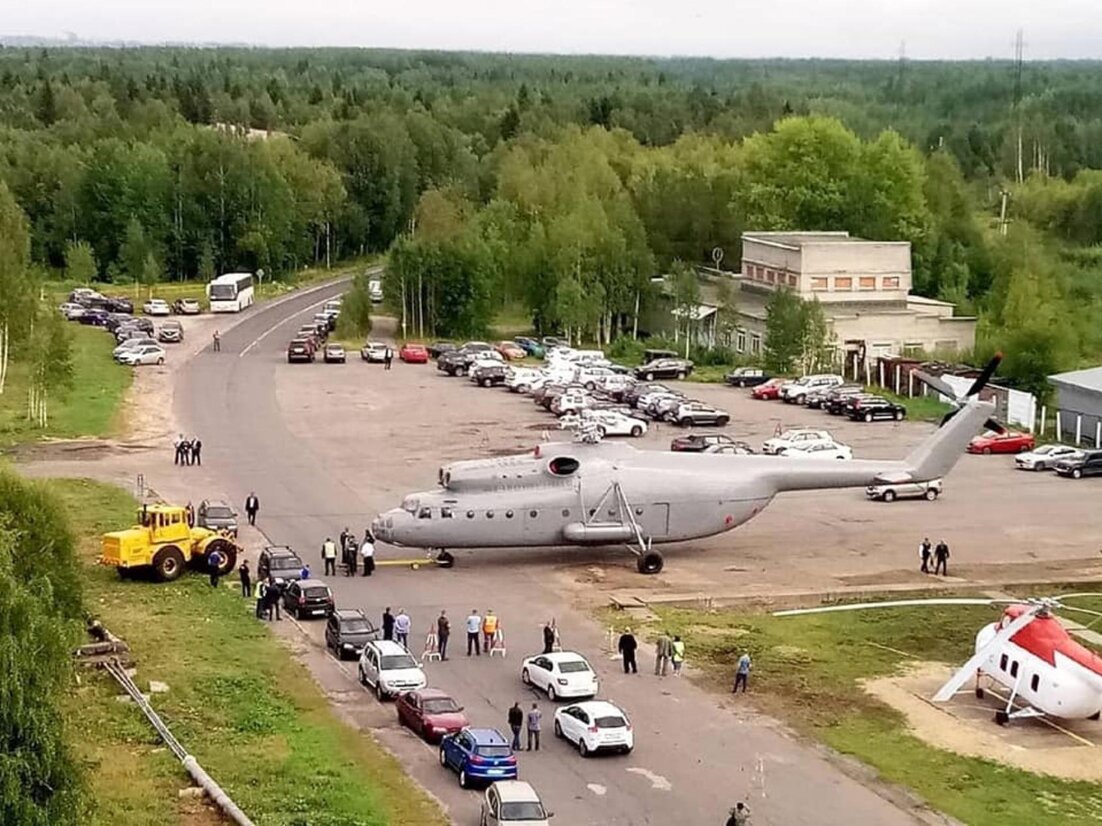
806, 672
237, 700
89, 408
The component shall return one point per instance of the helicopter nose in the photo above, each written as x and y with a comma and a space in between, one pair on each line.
386, 525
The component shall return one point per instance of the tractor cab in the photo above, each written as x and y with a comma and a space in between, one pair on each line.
166, 523
164, 543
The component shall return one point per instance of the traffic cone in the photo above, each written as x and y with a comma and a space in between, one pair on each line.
432, 646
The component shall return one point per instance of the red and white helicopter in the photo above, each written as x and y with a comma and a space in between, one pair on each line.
1026, 650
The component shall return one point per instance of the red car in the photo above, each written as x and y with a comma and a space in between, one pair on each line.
769, 390
430, 712
1009, 441
414, 354
510, 351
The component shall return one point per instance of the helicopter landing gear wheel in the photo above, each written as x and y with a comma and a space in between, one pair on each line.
1002, 718
650, 562
445, 559
979, 693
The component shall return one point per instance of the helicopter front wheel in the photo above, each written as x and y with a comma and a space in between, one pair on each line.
650, 562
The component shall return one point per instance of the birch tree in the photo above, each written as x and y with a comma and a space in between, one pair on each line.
16, 295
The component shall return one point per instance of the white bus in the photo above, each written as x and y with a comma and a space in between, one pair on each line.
230, 293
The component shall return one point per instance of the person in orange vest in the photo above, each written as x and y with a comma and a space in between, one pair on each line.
489, 628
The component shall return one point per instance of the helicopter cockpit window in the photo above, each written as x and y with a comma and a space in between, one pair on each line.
562, 466
409, 505
424, 513
447, 513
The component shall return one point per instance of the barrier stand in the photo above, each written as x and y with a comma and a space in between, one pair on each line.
497, 644
432, 647
557, 644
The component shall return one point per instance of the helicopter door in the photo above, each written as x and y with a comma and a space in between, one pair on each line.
654, 519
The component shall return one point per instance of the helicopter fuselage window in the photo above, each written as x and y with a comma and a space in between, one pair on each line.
533, 514
424, 513
1035, 683
562, 466
446, 513
489, 514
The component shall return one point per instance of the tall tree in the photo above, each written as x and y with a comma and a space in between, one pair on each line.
16, 293
80, 262
784, 331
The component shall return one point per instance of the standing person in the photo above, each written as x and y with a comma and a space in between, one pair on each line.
178, 446
185, 452
443, 631
742, 672
252, 507
677, 655
388, 357
516, 722
661, 654
367, 552
549, 637
196, 451
214, 564
261, 598
329, 556
474, 627
941, 558
402, 624
626, 647
924, 554
740, 815
189, 514
216, 342
388, 624
534, 718
272, 596
344, 540
352, 554
246, 579
489, 629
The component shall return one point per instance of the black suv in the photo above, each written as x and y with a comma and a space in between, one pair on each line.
280, 562
868, 408
457, 362
348, 631
1086, 464
664, 369
308, 598
488, 374
836, 400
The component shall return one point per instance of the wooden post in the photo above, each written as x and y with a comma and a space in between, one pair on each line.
1044, 412
910, 384
1098, 434
1078, 429
898, 383
1059, 429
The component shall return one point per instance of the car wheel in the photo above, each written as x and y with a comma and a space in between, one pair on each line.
463, 781
601, 431
524, 677
558, 730
551, 695
360, 671
723, 421
899, 415
1076, 474
987, 451
583, 749
589, 386
380, 695
460, 371
627, 749
649, 377
1025, 448
868, 417
443, 758
798, 400
486, 382
637, 431
161, 360
930, 494
522, 388
680, 374
889, 496
686, 422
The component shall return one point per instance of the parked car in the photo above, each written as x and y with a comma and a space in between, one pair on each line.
696, 414
819, 450
308, 598
870, 408
216, 515
796, 437
746, 377
373, 352
94, 318
347, 631
560, 674
652, 354
309, 333
889, 488
819, 399
606, 422
553, 341
1088, 463
1045, 457
279, 562
664, 369
156, 306
300, 349
529, 346
186, 306
118, 304
171, 332
836, 400
512, 803
413, 353
431, 713
146, 354
794, 392
510, 350
325, 320
129, 331
438, 348
71, 310
699, 442
595, 726
478, 754
768, 390
616, 385
133, 344
458, 362
389, 669
736, 449
84, 295
487, 372
334, 354
1008, 441
521, 379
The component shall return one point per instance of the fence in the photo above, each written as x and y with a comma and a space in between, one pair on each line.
1072, 427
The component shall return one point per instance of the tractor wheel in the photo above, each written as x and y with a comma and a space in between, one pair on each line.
168, 563
229, 555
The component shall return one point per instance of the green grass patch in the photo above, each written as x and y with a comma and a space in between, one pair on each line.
920, 408
89, 408
807, 672
237, 700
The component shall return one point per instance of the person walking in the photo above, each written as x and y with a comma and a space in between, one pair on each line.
941, 558
443, 631
367, 552
388, 357
189, 514
474, 628
535, 716
549, 637
489, 629
661, 655
246, 579
252, 507
216, 342
677, 655
739, 816
388, 624
626, 647
329, 556
402, 624
924, 553
516, 723
196, 451
742, 672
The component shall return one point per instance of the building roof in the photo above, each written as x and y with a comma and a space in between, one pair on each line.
796, 240
1089, 379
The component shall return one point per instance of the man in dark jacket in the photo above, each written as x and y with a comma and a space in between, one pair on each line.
252, 506
516, 723
627, 647
214, 565
388, 624
443, 632
246, 580
549, 637
272, 598
941, 559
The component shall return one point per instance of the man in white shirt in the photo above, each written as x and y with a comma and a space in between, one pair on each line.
367, 553
474, 628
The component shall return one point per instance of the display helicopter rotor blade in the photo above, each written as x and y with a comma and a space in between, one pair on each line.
1080, 610
984, 377
1081, 594
946, 692
936, 383
897, 603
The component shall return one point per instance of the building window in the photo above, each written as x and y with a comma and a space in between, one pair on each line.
912, 348
740, 341
818, 284
755, 344
843, 282
891, 282
867, 282
769, 276
793, 281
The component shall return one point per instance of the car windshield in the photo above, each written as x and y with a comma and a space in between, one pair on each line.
494, 751
441, 705
393, 662
524, 810
573, 666
355, 626
285, 563
1044, 451
219, 512
611, 721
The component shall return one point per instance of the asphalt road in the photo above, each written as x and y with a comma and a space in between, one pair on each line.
693, 758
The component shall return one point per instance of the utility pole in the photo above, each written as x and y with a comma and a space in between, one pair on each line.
1019, 50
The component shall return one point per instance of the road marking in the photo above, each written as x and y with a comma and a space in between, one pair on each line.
597, 789
657, 781
279, 324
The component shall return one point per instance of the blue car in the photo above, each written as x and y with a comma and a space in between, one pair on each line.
530, 346
478, 754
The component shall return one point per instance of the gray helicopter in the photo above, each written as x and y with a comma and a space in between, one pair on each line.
589, 492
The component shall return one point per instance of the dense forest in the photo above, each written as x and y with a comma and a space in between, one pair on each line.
562, 184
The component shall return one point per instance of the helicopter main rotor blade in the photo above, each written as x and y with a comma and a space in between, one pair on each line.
950, 688
897, 603
936, 383
1081, 610
1062, 597
984, 377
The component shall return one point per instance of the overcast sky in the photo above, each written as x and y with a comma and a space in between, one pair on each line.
718, 28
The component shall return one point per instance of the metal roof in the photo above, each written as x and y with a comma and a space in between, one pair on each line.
1089, 379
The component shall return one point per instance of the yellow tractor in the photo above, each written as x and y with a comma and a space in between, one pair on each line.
162, 543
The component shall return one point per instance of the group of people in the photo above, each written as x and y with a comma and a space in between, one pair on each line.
353, 552
188, 451
939, 555
534, 720
671, 652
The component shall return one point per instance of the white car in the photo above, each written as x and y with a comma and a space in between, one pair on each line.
1045, 457
608, 423
615, 383
133, 344
156, 306
797, 437
796, 391
373, 351
512, 803
146, 354
590, 377
820, 450
521, 379
71, 311
390, 669
595, 726
888, 489
560, 674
